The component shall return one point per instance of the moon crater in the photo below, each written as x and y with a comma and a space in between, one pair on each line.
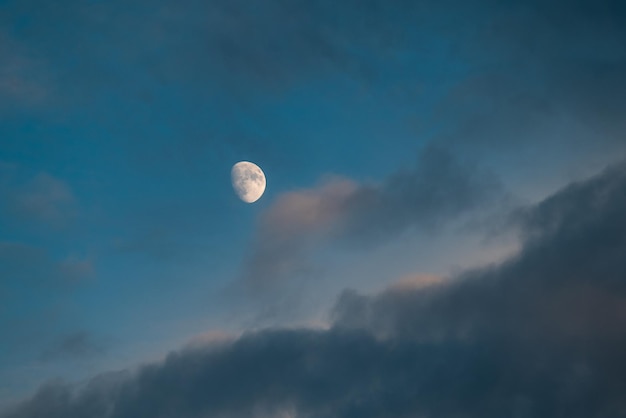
248, 181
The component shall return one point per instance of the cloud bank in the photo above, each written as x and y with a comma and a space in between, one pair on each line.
541, 335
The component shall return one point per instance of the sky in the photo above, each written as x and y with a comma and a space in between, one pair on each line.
442, 233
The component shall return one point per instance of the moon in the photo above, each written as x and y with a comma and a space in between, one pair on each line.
248, 181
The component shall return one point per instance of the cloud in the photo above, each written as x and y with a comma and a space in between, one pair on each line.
550, 74
23, 264
437, 190
541, 335
40, 198
45, 198
565, 285
20, 81
36, 288
416, 281
75, 346
262, 44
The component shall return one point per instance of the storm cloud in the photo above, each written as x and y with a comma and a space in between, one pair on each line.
541, 335
566, 284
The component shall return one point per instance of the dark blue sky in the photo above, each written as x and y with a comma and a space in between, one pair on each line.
401, 140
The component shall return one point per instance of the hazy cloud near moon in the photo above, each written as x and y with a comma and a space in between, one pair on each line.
541, 335
438, 189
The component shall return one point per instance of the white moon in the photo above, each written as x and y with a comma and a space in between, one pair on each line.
248, 181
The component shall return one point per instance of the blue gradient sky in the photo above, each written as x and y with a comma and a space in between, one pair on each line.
120, 235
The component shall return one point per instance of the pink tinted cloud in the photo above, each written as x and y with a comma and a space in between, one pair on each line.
293, 225
307, 210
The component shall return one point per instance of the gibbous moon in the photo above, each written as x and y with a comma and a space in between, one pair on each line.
248, 181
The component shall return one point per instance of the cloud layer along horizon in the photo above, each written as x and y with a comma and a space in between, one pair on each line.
541, 335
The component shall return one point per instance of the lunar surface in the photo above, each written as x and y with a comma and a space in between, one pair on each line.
248, 181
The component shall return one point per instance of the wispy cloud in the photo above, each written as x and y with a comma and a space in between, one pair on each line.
21, 79
79, 345
45, 198
40, 198
21, 263
438, 190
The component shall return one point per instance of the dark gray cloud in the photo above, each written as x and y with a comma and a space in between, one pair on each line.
262, 44
274, 43
541, 335
567, 284
440, 188
511, 74
551, 74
